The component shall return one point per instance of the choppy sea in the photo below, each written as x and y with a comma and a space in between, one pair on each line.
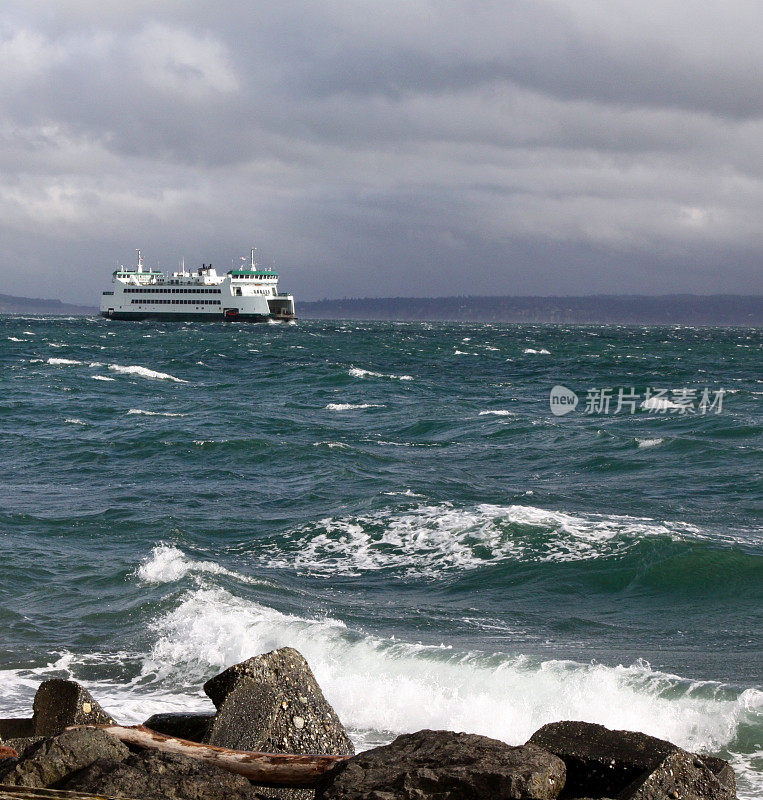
398, 502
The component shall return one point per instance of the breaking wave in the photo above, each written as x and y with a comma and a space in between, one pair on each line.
168, 564
141, 412
144, 372
351, 406
356, 372
429, 540
381, 687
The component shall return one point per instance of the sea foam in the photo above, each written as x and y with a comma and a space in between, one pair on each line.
432, 540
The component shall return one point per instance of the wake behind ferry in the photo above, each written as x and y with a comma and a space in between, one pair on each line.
247, 294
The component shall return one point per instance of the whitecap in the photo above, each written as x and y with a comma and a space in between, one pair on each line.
500, 412
140, 411
15, 339
101, 378
659, 404
75, 421
169, 564
430, 541
357, 372
351, 406
62, 361
649, 442
541, 352
144, 372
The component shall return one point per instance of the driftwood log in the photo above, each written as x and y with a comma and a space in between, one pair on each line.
25, 793
274, 769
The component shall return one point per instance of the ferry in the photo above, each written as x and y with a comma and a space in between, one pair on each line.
247, 294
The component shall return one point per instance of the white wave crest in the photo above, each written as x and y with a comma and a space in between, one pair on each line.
141, 412
382, 687
351, 406
649, 442
659, 404
144, 372
533, 351
430, 540
15, 339
62, 361
75, 421
357, 372
102, 378
501, 412
168, 564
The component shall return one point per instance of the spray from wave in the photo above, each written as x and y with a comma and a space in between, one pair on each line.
381, 687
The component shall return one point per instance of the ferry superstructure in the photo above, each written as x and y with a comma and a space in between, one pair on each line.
247, 294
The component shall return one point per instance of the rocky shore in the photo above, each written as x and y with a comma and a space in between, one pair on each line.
272, 704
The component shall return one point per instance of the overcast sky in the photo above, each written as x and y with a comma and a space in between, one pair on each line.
385, 147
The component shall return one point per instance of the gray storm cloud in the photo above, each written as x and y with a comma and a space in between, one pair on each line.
396, 148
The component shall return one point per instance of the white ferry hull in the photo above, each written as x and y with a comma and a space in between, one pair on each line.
247, 294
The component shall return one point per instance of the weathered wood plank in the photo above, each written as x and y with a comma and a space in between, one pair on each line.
25, 793
274, 769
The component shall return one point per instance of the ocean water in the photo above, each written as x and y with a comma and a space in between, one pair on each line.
398, 502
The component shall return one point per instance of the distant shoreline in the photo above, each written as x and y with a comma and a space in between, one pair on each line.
595, 309
583, 310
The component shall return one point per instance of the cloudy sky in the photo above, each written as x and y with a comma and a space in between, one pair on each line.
385, 147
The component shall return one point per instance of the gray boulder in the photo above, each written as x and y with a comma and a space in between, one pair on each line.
161, 776
193, 727
272, 703
60, 703
679, 775
443, 765
722, 770
602, 762
16, 728
46, 763
21, 747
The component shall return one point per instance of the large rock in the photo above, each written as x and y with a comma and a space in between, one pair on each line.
602, 762
722, 770
47, 763
60, 703
193, 727
272, 703
16, 728
443, 765
679, 775
161, 776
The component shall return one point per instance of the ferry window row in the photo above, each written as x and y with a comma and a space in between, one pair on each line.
173, 291
146, 300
